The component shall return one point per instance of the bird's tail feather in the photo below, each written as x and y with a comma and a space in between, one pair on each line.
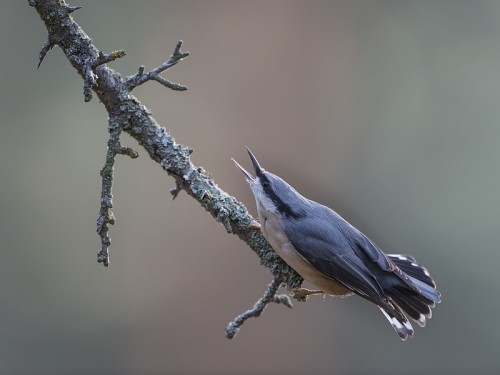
419, 276
401, 325
416, 304
409, 265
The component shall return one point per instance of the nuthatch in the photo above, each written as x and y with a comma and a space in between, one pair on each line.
330, 253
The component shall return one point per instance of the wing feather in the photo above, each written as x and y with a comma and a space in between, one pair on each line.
326, 246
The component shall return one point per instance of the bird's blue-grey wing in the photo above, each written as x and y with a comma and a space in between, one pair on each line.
343, 253
326, 247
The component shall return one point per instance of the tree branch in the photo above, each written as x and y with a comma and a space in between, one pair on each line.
128, 115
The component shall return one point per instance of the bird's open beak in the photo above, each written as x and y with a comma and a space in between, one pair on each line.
256, 167
248, 176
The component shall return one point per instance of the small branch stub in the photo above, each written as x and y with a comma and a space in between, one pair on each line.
282, 299
176, 190
90, 80
49, 44
70, 9
106, 58
128, 152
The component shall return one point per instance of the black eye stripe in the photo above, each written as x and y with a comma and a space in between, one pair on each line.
282, 207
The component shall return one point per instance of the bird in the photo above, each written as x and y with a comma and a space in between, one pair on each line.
336, 257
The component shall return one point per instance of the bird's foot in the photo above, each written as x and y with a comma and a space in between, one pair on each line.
302, 294
255, 225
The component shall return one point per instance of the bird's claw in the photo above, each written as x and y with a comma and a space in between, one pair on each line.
302, 294
255, 225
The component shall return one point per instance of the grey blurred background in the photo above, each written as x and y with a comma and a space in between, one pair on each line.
387, 111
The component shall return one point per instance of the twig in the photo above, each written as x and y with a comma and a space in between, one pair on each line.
106, 216
140, 77
259, 307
